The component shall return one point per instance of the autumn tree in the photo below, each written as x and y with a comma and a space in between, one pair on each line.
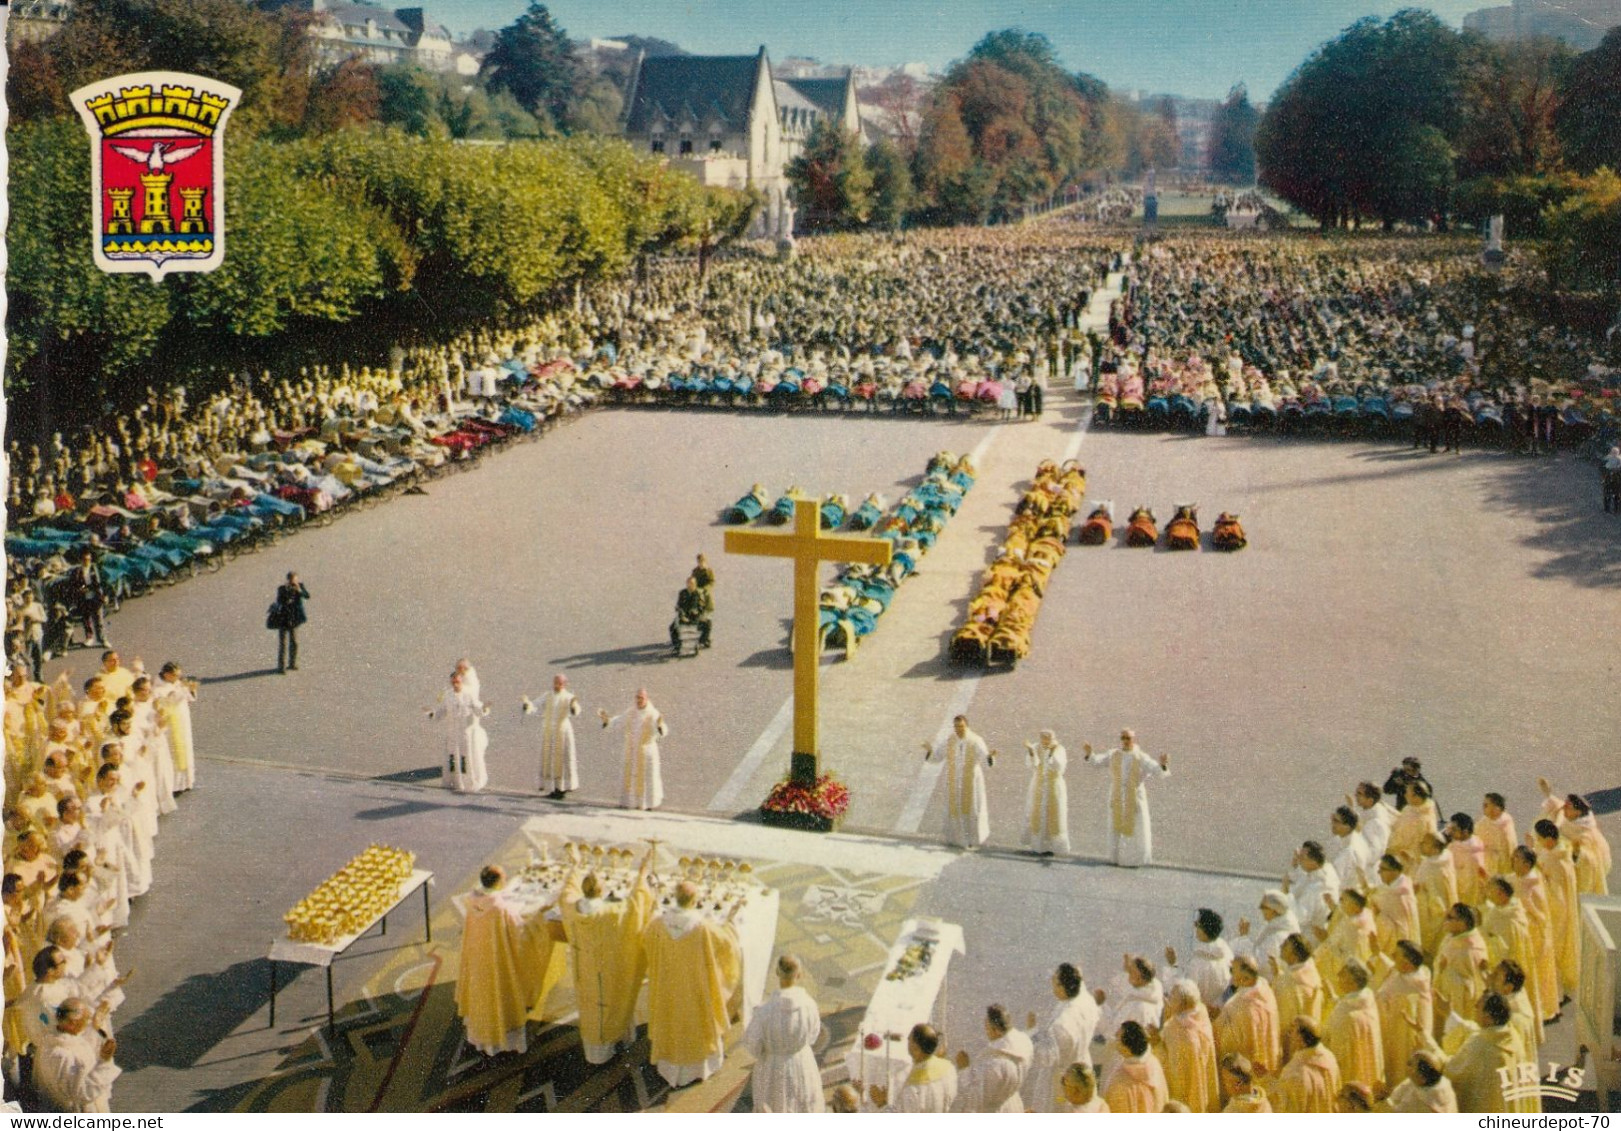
1029, 127
344, 96
831, 183
1511, 98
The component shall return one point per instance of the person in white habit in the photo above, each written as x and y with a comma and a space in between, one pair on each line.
1131, 836
780, 1036
559, 769
1318, 888
465, 740
991, 1083
469, 674
643, 786
968, 821
1210, 962
1046, 826
1278, 922
1065, 1038
1136, 995
74, 1068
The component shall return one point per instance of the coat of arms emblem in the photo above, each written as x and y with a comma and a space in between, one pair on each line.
157, 170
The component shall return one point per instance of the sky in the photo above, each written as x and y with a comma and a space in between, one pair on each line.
1198, 48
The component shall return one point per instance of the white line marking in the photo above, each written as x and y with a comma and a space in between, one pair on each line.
917, 802
1074, 448
977, 456
732, 792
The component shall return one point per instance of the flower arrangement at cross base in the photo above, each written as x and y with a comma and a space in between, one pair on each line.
817, 806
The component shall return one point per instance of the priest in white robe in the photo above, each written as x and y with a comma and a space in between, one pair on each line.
1131, 837
1065, 1038
559, 769
968, 821
991, 1082
1135, 995
74, 1070
781, 1035
147, 728
174, 696
1209, 964
930, 1087
643, 785
465, 740
1046, 826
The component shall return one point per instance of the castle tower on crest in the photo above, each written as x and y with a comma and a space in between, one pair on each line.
192, 217
155, 215
120, 223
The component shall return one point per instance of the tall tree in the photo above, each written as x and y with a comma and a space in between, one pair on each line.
902, 100
1230, 153
891, 184
533, 59
1512, 95
267, 56
1356, 132
1591, 107
831, 183
407, 97
1030, 127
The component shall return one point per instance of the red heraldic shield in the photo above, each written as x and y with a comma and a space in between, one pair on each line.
158, 170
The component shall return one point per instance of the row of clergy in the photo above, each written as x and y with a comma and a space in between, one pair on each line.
965, 757
1401, 965
461, 708
97, 774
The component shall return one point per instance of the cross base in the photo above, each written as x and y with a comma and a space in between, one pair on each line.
802, 768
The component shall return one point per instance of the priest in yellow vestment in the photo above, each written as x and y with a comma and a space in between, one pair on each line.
605, 938
1352, 1031
694, 967
508, 965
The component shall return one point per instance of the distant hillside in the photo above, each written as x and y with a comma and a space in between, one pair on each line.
648, 45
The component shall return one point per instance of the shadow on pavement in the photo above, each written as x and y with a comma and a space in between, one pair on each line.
397, 810
182, 1026
630, 654
410, 777
775, 659
1605, 801
1562, 521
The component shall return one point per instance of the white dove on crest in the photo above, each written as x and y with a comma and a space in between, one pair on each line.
159, 156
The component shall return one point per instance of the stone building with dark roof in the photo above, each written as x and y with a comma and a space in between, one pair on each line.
728, 121
339, 30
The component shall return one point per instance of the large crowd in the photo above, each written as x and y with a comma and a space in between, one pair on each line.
1210, 331
1403, 956
1392, 335
88, 774
1407, 961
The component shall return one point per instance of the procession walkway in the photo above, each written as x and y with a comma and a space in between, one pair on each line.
1391, 602
196, 1030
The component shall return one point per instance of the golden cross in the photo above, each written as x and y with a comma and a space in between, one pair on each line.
808, 547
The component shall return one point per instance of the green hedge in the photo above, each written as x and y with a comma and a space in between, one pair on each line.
361, 226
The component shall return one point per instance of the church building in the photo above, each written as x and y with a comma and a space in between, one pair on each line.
728, 121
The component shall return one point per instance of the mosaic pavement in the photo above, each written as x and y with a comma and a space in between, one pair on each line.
400, 1046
